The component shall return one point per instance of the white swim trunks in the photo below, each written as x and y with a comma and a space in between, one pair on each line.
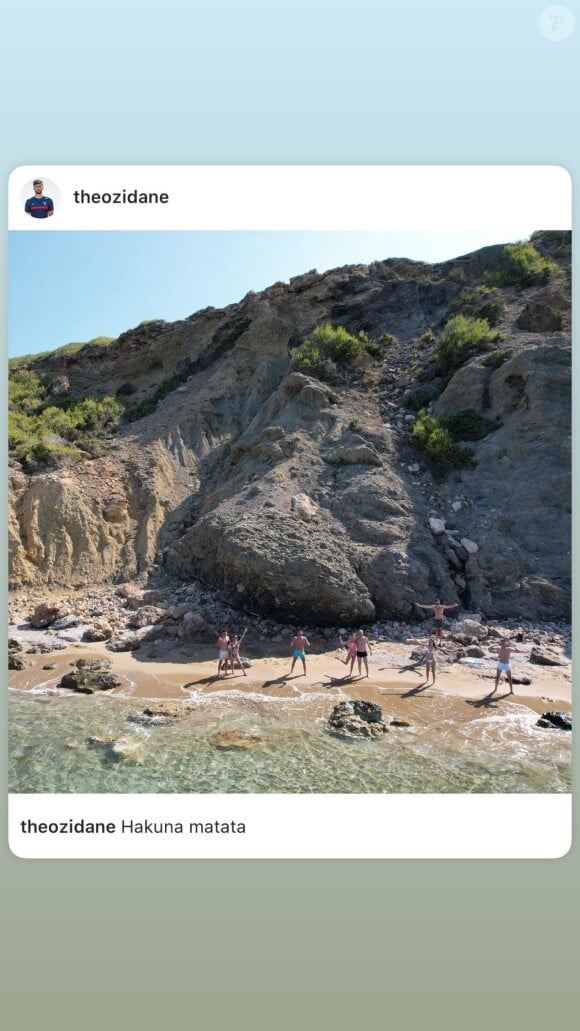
223, 655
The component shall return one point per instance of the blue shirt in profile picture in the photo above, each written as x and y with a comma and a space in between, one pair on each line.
39, 206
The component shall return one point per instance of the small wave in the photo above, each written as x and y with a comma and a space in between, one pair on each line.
210, 698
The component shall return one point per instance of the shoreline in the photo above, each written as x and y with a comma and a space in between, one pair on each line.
178, 676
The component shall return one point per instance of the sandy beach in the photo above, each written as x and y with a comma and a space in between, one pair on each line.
179, 673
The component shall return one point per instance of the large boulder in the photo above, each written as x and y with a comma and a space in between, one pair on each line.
546, 657
539, 317
47, 613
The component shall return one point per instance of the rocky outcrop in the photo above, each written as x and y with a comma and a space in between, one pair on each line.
89, 676
357, 719
554, 719
304, 501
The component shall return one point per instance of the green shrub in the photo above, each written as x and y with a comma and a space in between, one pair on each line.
469, 425
436, 441
331, 350
462, 338
26, 390
524, 266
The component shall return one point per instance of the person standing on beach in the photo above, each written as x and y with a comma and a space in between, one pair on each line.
223, 653
430, 661
299, 645
503, 666
350, 646
438, 613
363, 648
234, 650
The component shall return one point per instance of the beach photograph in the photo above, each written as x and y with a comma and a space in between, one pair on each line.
314, 537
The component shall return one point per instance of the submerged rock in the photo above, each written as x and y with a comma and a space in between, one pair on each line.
123, 747
235, 739
159, 714
127, 748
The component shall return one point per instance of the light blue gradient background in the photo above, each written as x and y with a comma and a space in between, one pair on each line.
347, 944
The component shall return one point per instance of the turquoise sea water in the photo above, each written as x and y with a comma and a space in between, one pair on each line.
499, 751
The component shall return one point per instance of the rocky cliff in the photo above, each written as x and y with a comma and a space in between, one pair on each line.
309, 500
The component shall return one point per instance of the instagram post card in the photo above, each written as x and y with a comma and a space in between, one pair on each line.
289, 511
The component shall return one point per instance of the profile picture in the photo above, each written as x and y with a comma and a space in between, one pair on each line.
40, 198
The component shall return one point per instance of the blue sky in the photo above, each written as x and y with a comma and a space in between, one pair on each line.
73, 286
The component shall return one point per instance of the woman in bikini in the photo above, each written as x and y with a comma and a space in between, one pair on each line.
430, 661
350, 646
234, 651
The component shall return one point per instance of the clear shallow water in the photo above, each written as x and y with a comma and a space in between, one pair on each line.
497, 752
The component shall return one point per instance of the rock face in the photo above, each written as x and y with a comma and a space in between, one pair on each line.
357, 719
303, 500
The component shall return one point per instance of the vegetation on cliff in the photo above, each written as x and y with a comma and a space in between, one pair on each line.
45, 425
462, 338
523, 266
331, 353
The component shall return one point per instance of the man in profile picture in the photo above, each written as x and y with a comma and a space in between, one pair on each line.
39, 206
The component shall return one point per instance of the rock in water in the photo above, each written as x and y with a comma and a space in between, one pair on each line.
158, 714
235, 739
127, 748
555, 719
357, 719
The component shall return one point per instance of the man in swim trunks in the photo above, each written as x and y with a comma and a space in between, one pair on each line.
223, 653
363, 647
503, 666
438, 612
299, 645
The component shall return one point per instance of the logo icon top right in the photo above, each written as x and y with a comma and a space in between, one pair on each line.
557, 23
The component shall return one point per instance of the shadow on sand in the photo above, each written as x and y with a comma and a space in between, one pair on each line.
416, 690
283, 679
339, 681
489, 700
